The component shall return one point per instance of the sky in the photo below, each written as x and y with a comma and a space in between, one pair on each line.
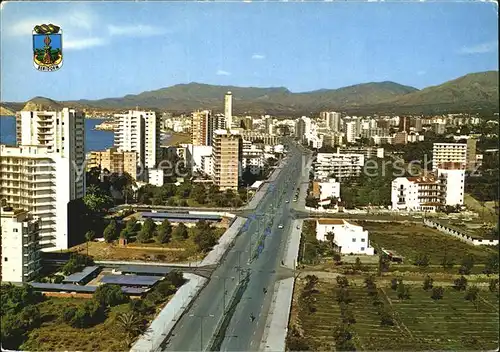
112, 49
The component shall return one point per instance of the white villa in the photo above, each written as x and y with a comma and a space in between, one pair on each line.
348, 237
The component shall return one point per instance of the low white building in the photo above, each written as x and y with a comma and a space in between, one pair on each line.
252, 159
327, 189
198, 153
155, 177
347, 237
454, 180
20, 245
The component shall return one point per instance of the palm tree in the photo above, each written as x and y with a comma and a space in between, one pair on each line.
89, 236
130, 324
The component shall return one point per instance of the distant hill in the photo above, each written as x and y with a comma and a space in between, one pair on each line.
475, 91
471, 92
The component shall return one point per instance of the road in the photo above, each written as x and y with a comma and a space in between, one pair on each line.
258, 262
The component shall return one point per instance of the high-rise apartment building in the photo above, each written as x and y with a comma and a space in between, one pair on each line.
20, 245
226, 157
351, 131
114, 161
202, 128
228, 110
332, 119
38, 180
47, 170
139, 131
449, 152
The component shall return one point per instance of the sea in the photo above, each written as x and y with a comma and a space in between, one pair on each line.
94, 139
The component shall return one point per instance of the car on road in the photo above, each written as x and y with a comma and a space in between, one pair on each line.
287, 201
280, 226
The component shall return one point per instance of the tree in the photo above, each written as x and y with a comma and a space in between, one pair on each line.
163, 235
96, 201
472, 295
147, 231
198, 193
109, 295
493, 287
394, 283
180, 232
311, 281
342, 336
342, 281
428, 283
357, 265
386, 317
111, 231
89, 236
75, 263
88, 314
447, 262
460, 284
125, 234
437, 293
422, 260
403, 291
371, 286
383, 264
491, 265
343, 296
466, 265
204, 236
130, 324
337, 258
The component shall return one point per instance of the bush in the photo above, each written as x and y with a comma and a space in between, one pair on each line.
386, 318
111, 231
58, 279
68, 315
91, 313
493, 287
394, 283
141, 307
176, 278
466, 265
180, 232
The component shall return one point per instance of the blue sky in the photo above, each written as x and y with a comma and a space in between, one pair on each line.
116, 48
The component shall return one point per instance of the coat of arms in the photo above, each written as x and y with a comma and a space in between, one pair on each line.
47, 47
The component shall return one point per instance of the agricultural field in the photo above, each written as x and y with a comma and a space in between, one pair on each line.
420, 323
410, 240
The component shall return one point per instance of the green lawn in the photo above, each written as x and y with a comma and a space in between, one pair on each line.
409, 240
421, 323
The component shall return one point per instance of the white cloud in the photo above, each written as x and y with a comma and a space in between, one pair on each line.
138, 30
482, 48
258, 56
84, 43
222, 73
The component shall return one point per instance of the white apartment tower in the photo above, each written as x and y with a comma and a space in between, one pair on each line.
47, 170
228, 110
20, 245
139, 131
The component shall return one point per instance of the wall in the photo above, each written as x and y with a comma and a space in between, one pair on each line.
463, 237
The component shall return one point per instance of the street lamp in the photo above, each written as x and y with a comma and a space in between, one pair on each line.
201, 317
224, 278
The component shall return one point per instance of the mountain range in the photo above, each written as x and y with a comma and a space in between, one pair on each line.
472, 92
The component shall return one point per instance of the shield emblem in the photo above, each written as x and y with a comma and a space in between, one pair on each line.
47, 47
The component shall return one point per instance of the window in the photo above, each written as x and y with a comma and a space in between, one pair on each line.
362, 248
5, 259
363, 240
354, 239
15, 230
